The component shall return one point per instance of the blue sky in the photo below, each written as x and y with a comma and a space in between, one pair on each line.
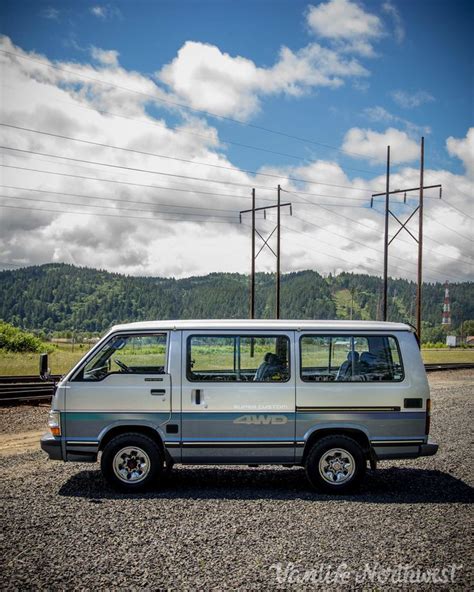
349, 76
434, 56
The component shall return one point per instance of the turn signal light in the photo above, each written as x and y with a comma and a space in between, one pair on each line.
54, 423
428, 416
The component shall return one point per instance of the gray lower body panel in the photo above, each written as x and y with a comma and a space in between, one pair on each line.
399, 450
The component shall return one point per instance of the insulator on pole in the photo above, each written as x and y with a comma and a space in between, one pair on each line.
371, 202
405, 198
440, 192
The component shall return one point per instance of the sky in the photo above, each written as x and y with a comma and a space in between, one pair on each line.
133, 133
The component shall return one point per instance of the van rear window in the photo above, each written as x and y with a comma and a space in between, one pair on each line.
350, 358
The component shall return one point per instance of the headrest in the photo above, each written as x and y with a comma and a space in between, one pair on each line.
368, 358
355, 354
271, 358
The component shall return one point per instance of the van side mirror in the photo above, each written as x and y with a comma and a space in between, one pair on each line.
43, 367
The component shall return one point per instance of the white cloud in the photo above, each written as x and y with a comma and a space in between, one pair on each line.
464, 149
105, 57
211, 80
409, 100
347, 24
50, 13
381, 115
372, 145
98, 11
105, 11
398, 28
63, 102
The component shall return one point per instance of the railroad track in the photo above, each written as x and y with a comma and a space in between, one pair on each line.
14, 389
453, 366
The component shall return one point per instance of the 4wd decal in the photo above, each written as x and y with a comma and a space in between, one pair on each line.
262, 419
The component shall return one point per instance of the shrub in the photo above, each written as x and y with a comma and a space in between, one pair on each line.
15, 340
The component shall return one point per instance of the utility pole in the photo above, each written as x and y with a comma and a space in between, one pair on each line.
277, 295
252, 275
403, 226
277, 254
385, 251
420, 243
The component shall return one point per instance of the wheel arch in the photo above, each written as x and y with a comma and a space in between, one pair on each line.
118, 429
356, 432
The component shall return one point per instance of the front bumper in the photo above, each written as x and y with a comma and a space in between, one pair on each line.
52, 447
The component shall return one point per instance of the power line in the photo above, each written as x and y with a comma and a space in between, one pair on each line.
352, 240
332, 212
345, 260
181, 105
332, 246
173, 188
116, 199
430, 250
133, 169
188, 161
150, 218
110, 208
128, 182
187, 132
458, 209
450, 229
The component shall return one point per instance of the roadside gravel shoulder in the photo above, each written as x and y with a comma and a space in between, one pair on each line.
224, 528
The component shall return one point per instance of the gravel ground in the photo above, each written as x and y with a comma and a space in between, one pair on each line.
22, 418
227, 528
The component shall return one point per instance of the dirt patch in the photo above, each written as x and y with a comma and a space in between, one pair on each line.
19, 443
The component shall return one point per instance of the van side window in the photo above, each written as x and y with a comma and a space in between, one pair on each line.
235, 358
350, 358
127, 354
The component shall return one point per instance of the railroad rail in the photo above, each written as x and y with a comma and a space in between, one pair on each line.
15, 389
449, 366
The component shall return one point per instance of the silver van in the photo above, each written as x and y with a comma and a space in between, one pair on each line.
332, 396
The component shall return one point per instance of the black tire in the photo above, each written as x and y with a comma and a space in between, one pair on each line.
140, 479
354, 475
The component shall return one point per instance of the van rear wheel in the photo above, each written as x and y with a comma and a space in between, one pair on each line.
335, 464
131, 462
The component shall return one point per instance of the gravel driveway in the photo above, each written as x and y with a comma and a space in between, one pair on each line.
230, 528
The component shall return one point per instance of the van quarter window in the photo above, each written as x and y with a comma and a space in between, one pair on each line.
371, 358
127, 354
235, 358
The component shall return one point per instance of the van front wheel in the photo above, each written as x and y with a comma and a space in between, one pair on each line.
131, 462
335, 464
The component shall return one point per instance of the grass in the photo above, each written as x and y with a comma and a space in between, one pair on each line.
63, 359
60, 361
444, 356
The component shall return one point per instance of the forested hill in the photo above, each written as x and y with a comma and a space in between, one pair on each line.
60, 297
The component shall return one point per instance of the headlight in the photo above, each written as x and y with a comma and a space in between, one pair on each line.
54, 423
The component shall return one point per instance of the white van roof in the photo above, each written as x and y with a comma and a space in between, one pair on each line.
262, 324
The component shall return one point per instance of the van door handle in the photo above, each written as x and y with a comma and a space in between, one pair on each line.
158, 391
196, 396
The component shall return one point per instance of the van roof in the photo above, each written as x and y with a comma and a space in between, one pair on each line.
262, 324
